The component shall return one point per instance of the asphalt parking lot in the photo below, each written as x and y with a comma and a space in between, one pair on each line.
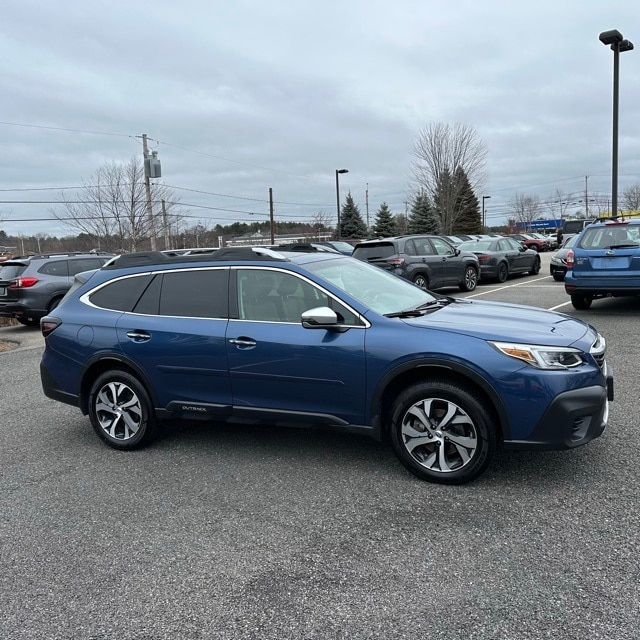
228, 531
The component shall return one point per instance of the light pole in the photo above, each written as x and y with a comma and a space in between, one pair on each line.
484, 219
339, 171
618, 43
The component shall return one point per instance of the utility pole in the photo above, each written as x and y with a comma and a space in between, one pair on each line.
166, 226
147, 184
271, 225
586, 195
366, 199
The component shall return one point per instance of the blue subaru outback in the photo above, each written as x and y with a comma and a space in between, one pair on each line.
255, 335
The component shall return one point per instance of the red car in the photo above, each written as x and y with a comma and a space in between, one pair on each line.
530, 242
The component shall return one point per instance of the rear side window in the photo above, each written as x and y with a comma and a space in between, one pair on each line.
188, 294
55, 268
83, 264
121, 294
380, 250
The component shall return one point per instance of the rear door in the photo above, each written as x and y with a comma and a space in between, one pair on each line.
176, 334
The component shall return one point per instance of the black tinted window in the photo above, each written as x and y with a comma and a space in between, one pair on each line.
83, 264
122, 294
195, 293
55, 268
373, 251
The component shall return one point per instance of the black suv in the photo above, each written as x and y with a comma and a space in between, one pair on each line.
428, 261
32, 286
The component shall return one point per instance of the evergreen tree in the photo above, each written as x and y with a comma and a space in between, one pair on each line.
423, 218
351, 223
468, 218
385, 225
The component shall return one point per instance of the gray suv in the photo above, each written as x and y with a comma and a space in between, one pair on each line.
32, 286
428, 261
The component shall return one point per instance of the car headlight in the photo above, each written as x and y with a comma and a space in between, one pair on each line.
541, 357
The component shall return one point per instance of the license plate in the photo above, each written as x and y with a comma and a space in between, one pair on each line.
3, 291
611, 262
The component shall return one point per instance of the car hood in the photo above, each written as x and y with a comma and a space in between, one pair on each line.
506, 322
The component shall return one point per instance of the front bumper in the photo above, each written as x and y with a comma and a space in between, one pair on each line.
573, 419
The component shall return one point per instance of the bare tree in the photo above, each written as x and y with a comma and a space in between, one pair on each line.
441, 153
558, 203
525, 209
111, 206
631, 198
321, 221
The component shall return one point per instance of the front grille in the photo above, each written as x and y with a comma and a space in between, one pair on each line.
598, 351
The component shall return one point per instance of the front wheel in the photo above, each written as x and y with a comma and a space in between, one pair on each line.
581, 301
121, 412
470, 280
558, 277
442, 432
535, 269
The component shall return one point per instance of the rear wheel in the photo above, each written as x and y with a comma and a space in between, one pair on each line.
503, 272
53, 304
581, 301
121, 412
470, 280
535, 268
558, 277
421, 280
442, 432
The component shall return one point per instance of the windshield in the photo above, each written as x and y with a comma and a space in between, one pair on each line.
374, 287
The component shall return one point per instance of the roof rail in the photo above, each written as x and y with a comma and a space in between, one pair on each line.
147, 258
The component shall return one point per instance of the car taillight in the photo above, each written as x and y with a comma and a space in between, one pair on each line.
22, 283
570, 257
48, 324
483, 258
396, 262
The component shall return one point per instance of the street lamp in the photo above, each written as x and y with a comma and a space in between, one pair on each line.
484, 219
614, 39
338, 171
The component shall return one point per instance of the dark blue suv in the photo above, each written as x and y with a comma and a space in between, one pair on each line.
321, 339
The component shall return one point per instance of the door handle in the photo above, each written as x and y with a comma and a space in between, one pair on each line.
138, 336
243, 342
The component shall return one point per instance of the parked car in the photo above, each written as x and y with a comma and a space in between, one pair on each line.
558, 264
501, 257
604, 261
254, 335
306, 247
339, 245
32, 286
571, 228
530, 242
550, 240
428, 261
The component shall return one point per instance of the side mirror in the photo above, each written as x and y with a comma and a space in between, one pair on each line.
321, 318
523, 247
456, 251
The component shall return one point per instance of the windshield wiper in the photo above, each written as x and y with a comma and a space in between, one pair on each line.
421, 309
623, 246
407, 313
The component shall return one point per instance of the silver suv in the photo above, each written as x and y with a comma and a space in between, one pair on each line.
429, 261
32, 286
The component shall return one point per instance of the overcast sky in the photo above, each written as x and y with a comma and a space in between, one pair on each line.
242, 95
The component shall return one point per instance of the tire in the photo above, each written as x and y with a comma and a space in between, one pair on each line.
421, 280
29, 322
442, 432
53, 304
535, 247
121, 412
470, 281
558, 277
503, 272
535, 269
581, 301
